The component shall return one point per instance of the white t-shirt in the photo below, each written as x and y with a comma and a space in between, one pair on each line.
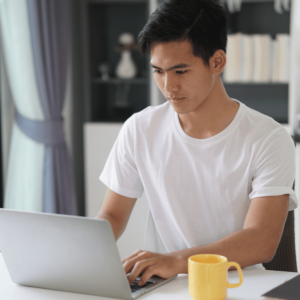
199, 190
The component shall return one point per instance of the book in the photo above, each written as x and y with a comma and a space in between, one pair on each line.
262, 45
232, 71
247, 58
275, 62
257, 58
284, 55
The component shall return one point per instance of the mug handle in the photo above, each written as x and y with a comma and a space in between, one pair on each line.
234, 285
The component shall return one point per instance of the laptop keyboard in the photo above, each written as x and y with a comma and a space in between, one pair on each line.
135, 287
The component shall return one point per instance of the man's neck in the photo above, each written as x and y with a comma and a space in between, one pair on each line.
214, 114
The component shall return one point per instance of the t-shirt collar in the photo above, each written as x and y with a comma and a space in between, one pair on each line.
214, 138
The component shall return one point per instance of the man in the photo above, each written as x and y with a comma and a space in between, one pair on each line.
218, 175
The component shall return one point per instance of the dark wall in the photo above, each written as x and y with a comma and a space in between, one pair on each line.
79, 94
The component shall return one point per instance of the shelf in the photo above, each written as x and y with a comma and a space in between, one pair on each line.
116, 1
253, 1
121, 81
256, 84
268, 98
256, 1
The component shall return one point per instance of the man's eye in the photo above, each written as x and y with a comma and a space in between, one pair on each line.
157, 71
181, 72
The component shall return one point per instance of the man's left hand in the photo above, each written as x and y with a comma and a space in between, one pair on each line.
150, 263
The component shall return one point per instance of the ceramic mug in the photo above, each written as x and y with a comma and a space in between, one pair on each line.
208, 276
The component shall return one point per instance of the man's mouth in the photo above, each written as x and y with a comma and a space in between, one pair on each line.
176, 100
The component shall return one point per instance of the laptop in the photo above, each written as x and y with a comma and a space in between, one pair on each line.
66, 253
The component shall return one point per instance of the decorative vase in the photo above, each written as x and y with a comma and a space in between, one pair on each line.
126, 68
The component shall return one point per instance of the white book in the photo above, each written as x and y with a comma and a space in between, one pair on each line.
275, 62
238, 57
257, 65
262, 45
247, 58
267, 50
228, 70
232, 71
284, 55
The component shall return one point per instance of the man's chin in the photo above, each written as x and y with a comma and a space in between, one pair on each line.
181, 110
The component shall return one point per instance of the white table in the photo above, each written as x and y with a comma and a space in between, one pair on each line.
256, 282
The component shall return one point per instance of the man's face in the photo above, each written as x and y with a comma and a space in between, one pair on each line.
183, 78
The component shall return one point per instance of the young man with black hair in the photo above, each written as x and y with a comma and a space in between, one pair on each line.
218, 175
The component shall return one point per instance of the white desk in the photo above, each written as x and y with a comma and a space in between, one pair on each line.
256, 282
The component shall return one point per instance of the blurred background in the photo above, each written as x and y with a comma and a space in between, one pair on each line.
71, 74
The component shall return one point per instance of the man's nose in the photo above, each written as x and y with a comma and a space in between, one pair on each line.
170, 85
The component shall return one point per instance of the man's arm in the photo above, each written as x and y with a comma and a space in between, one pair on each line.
255, 243
116, 209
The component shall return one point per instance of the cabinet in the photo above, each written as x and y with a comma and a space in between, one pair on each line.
106, 21
259, 17
272, 99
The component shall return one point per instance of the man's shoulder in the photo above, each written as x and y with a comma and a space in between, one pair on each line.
260, 126
154, 112
151, 118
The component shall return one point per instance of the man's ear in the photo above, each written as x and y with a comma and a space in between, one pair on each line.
217, 62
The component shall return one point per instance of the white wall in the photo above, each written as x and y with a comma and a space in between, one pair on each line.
98, 141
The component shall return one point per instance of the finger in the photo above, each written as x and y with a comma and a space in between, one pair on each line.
134, 254
129, 264
139, 267
149, 272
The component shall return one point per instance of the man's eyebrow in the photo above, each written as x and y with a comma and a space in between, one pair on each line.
179, 66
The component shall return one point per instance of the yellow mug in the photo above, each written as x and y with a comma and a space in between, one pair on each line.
208, 276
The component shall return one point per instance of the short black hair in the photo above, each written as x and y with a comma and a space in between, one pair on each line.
202, 22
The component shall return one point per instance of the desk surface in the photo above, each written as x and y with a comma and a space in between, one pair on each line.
256, 282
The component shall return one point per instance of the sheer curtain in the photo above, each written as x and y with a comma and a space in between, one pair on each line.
24, 181
39, 175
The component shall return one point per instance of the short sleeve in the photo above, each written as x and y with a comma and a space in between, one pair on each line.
274, 168
120, 173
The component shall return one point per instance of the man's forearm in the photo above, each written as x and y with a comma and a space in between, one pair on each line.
246, 247
254, 244
116, 209
115, 225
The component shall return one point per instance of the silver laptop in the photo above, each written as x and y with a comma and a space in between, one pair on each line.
66, 253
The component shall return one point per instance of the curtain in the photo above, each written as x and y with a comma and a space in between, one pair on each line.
35, 43
7, 116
